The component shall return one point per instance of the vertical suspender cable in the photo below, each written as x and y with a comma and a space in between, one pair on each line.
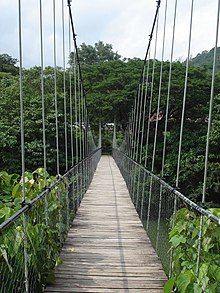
55, 87
79, 114
149, 114
80, 134
76, 106
157, 118
143, 130
139, 149
151, 94
134, 130
166, 120
140, 113
210, 107
139, 90
137, 113
83, 139
64, 88
208, 138
65, 115
42, 93
130, 133
79, 72
22, 149
159, 94
144, 108
71, 101
83, 122
135, 144
184, 98
21, 104
43, 109
181, 126
168, 91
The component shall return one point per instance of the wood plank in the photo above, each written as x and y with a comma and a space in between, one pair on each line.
107, 249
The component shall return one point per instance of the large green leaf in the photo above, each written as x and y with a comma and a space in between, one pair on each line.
5, 212
168, 288
3, 252
177, 239
183, 281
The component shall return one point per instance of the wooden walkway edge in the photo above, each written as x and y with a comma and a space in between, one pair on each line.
107, 249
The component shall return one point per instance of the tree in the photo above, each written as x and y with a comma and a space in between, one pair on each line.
7, 64
110, 89
92, 55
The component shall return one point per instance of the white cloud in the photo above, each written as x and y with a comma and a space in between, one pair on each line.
126, 24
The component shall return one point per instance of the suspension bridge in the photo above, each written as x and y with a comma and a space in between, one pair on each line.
111, 223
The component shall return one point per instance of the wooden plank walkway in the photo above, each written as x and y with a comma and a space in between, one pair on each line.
107, 249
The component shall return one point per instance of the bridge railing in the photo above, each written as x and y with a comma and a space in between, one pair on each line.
184, 235
30, 240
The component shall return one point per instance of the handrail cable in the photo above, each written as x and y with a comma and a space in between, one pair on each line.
47, 189
176, 192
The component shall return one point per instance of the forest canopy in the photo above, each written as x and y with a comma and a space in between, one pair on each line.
110, 84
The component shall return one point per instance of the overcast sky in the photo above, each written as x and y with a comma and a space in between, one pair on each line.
125, 24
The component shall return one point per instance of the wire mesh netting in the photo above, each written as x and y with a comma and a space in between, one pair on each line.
30, 241
184, 235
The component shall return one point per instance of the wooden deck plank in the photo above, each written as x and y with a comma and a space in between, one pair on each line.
107, 249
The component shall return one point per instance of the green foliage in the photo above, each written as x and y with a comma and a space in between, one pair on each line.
184, 239
110, 84
194, 131
110, 90
11, 196
7, 65
206, 59
10, 149
169, 285
42, 239
92, 55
